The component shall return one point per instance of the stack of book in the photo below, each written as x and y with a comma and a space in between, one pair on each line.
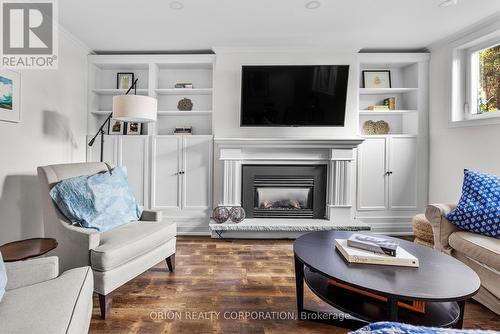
384, 107
362, 248
390, 102
183, 130
184, 85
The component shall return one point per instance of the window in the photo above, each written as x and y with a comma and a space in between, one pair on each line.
476, 79
484, 81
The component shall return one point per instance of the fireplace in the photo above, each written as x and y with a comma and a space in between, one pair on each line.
284, 191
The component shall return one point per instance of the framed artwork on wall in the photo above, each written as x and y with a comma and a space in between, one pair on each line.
116, 127
133, 128
376, 79
10, 103
124, 80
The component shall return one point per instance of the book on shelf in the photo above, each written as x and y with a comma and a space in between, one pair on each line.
183, 85
384, 107
390, 102
373, 243
413, 305
183, 130
356, 255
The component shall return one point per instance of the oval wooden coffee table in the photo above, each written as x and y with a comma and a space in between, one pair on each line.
26, 249
441, 281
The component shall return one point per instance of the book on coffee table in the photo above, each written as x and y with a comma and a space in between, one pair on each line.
356, 255
373, 243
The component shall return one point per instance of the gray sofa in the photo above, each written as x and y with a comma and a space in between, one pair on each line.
38, 301
115, 256
479, 252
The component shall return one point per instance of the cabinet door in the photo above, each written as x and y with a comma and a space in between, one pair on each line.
165, 168
372, 179
196, 176
110, 150
133, 154
403, 179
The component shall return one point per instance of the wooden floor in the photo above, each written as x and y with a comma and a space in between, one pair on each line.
226, 277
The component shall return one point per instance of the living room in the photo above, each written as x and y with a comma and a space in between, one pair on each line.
210, 166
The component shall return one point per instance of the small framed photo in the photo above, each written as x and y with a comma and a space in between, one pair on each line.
124, 80
116, 127
376, 79
134, 128
10, 103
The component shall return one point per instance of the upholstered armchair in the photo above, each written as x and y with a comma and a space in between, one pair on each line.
115, 256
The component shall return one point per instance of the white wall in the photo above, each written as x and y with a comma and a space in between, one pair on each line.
228, 92
453, 149
52, 130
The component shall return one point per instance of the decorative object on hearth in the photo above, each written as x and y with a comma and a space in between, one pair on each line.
9, 96
376, 128
376, 79
185, 104
124, 80
237, 214
220, 214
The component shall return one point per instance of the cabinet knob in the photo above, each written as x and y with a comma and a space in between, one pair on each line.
388, 173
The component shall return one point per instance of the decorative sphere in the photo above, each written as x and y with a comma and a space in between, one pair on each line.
237, 214
220, 214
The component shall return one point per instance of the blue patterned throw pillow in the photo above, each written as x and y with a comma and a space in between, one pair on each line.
478, 210
101, 201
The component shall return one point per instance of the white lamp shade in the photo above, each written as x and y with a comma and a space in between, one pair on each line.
135, 108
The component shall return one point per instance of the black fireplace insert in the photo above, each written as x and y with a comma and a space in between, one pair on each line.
284, 191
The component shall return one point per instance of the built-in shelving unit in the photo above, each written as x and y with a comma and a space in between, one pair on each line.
392, 168
158, 75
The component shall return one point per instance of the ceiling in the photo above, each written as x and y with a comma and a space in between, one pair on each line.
152, 25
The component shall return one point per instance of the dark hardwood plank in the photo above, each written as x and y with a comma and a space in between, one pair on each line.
226, 276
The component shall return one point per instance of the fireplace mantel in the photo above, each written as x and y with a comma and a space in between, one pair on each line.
310, 142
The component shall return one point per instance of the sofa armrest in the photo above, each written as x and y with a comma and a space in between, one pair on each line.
151, 216
441, 226
32, 271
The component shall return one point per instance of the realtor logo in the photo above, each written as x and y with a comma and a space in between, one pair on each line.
29, 38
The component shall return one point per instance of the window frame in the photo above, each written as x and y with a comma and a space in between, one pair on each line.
461, 51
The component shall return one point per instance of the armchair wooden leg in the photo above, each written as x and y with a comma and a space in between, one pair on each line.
171, 262
105, 302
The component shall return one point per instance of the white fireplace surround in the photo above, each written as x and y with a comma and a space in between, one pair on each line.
337, 153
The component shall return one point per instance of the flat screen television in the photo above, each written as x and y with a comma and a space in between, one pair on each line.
293, 95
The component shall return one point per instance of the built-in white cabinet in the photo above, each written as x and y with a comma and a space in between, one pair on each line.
387, 174
131, 152
181, 174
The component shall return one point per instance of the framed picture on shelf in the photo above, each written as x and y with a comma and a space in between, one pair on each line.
133, 128
124, 80
376, 79
10, 106
116, 127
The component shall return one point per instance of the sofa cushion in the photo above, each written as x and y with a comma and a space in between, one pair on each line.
124, 243
101, 201
478, 210
52, 306
477, 247
3, 277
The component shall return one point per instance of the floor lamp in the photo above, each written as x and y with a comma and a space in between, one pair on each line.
129, 108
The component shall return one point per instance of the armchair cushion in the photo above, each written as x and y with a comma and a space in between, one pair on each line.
101, 201
124, 243
478, 210
3, 277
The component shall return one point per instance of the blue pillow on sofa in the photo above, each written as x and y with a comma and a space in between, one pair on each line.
478, 210
101, 201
